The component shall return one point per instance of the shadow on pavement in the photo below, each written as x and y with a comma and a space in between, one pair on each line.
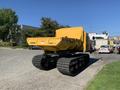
92, 61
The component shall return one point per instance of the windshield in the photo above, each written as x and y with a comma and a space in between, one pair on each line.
104, 46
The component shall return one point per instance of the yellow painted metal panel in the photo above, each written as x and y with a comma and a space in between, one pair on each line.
43, 41
84, 42
65, 39
75, 32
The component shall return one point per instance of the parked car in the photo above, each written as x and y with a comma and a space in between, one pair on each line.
105, 49
117, 49
35, 48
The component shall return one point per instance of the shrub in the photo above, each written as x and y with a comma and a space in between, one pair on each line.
5, 44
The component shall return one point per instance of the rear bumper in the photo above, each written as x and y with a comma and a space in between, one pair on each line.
104, 52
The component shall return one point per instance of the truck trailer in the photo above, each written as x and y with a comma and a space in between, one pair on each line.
66, 51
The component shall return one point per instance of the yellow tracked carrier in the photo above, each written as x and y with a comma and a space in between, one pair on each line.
62, 51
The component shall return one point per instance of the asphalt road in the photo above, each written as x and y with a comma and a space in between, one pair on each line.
18, 73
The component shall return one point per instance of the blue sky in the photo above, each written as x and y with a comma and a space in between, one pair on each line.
93, 15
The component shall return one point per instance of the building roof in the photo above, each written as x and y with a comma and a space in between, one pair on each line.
28, 27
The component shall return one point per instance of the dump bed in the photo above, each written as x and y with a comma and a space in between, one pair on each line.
43, 41
65, 39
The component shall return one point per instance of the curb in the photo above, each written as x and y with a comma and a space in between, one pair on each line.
13, 48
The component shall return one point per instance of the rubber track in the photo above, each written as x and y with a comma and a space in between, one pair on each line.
63, 64
37, 62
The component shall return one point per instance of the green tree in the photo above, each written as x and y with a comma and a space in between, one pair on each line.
49, 26
8, 24
30, 33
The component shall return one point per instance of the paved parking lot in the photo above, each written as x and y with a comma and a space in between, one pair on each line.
18, 73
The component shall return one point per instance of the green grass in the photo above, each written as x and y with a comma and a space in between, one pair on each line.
107, 79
